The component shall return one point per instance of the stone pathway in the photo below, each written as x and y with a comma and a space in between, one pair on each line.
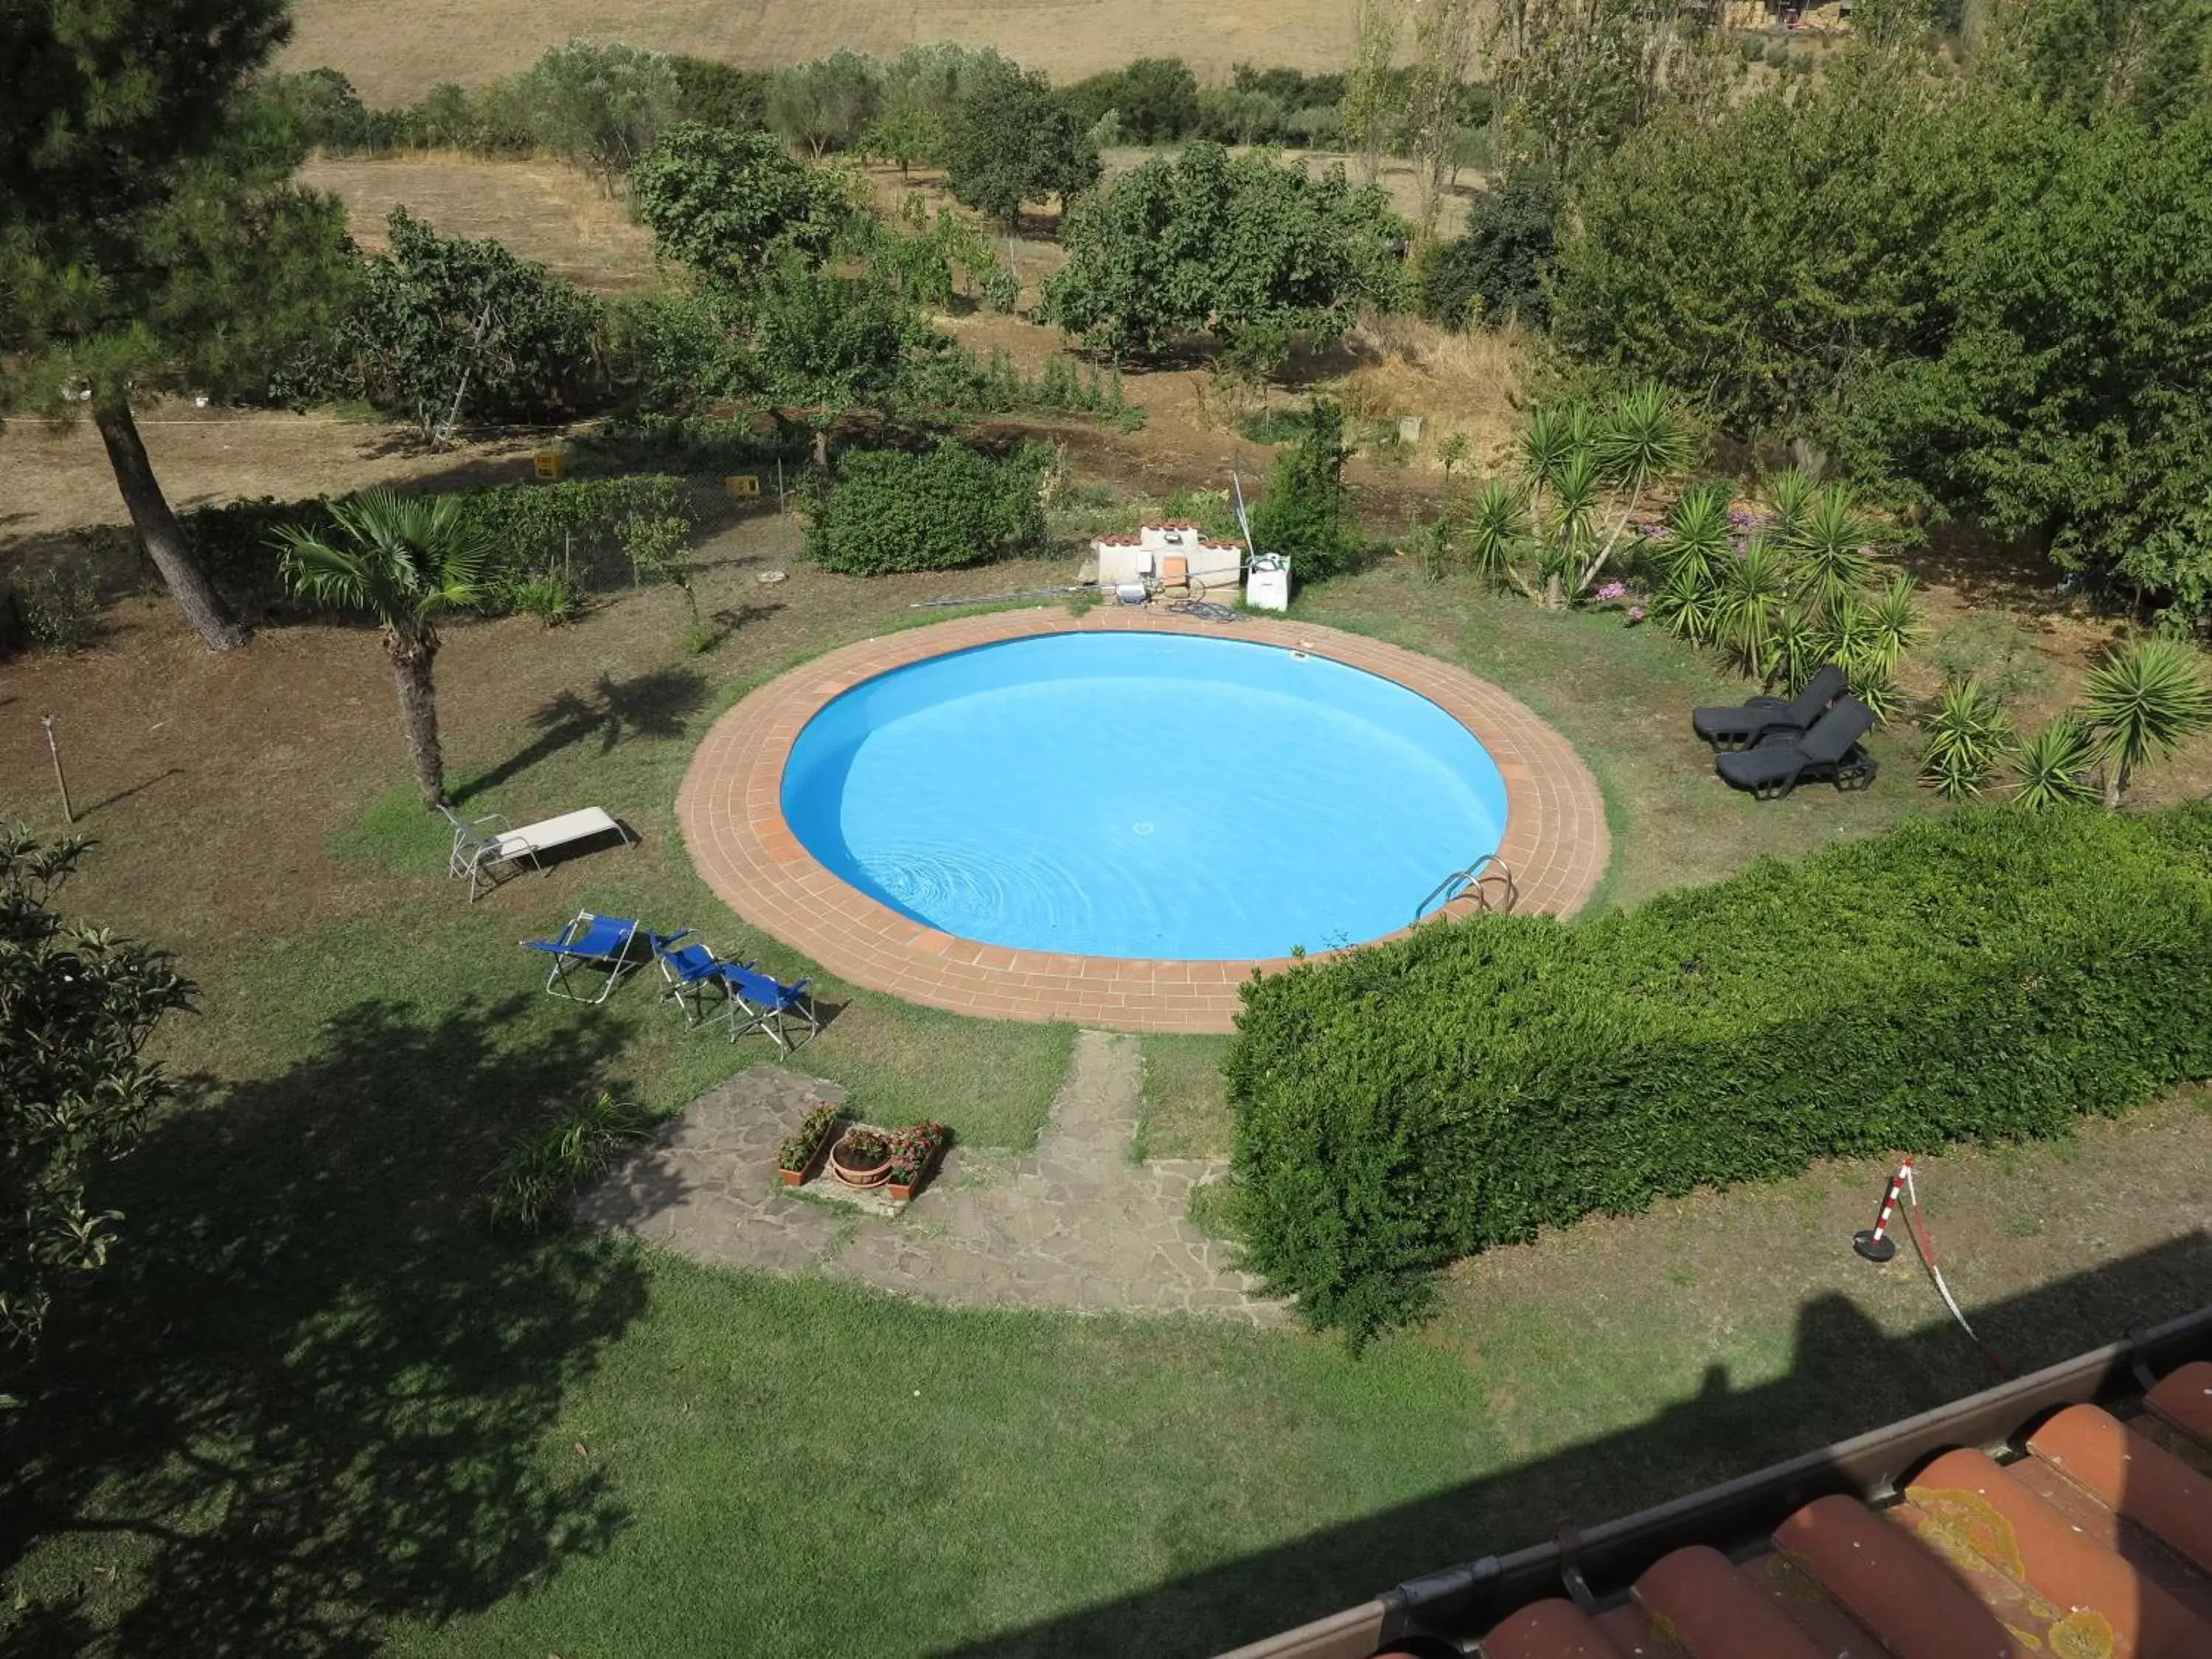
1076, 1223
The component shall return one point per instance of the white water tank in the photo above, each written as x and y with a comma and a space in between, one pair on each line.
1268, 585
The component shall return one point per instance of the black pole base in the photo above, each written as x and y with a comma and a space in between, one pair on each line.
1873, 1249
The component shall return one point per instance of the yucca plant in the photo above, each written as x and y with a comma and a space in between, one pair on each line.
1566, 508
1753, 590
1849, 635
2143, 701
1697, 543
1877, 689
1496, 537
1967, 737
1688, 607
1894, 616
1790, 493
1584, 475
1793, 651
2050, 768
1831, 547
1553, 432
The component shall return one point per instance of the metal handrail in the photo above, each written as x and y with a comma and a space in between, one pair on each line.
1460, 881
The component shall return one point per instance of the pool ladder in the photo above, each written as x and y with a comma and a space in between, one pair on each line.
1478, 878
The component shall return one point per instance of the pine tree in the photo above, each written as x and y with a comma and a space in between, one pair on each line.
149, 239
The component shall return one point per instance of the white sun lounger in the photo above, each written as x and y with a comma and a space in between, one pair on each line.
478, 855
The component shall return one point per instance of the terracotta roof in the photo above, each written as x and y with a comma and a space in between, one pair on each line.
2088, 1531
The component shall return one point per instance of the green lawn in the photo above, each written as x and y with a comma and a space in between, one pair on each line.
313, 1407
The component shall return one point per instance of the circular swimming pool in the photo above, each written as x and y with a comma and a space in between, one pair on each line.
1142, 795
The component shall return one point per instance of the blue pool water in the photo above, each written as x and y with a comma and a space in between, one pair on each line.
1143, 795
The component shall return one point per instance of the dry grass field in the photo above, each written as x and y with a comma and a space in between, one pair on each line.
394, 50
543, 210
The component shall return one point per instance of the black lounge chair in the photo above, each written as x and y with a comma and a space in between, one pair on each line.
1830, 750
1739, 728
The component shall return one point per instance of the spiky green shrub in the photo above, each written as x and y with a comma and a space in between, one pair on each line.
1988, 975
1967, 737
2052, 767
1786, 592
2143, 701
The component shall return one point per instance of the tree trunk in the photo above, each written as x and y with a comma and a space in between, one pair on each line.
2115, 785
158, 529
418, 710
1555, 592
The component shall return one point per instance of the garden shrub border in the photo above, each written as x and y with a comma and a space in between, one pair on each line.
582, 528
1992, 976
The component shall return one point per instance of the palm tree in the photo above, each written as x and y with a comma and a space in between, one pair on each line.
2144, 700
407, 560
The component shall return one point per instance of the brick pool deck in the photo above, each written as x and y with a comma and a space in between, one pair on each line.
731, 812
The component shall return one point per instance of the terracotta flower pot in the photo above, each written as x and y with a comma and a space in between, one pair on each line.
812, 1168
858, 1175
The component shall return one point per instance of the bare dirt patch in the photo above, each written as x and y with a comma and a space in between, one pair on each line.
56, 480
216, 782
542, 210
395, 50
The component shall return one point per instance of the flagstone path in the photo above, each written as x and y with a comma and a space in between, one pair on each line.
1076, 1223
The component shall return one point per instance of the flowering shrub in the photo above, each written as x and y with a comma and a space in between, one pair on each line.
800, 1146
913, 1149
1635, 614
1611, 592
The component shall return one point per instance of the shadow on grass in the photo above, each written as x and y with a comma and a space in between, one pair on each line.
655, 704
1847, 1377
311, 1394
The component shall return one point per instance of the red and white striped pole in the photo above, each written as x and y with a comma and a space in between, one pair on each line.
1875, 1243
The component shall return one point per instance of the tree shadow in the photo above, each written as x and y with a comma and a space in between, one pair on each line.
1986, 569
657, 704
312, 1395
1847, 1376
125, 794
734, 618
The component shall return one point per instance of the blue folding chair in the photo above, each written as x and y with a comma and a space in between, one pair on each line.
759, 1002
688, 971
605, 942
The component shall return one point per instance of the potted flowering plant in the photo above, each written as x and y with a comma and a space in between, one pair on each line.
861, 1158
914, 1152
799, 1156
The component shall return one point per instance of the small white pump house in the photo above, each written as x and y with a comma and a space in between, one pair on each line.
1175, 557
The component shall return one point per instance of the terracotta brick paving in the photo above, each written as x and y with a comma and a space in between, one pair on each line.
731, 812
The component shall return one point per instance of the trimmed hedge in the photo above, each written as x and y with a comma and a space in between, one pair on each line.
1991, 975
886, 511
